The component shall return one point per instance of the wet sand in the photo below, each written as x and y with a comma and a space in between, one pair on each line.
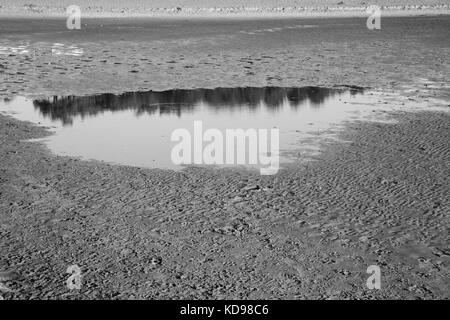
126, 55
311, 231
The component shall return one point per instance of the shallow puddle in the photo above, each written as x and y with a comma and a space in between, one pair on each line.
135, 128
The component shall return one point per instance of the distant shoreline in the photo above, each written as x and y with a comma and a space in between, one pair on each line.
33, 11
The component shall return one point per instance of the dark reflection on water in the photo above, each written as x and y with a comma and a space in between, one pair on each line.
177, 102
137, 128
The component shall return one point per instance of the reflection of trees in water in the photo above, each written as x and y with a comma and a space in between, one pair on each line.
179, 101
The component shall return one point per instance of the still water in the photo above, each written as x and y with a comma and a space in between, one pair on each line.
135, 128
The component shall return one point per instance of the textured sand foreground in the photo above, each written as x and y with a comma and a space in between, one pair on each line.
222, 8
308, 233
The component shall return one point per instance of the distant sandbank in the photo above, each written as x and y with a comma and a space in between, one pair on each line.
219, 8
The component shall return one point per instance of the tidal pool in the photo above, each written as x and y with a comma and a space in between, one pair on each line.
135, 128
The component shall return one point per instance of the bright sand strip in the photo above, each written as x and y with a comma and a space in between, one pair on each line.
221, 8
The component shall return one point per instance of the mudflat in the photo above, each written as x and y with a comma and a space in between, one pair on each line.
379, 196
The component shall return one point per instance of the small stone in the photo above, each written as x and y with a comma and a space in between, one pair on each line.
251, 187
237, 199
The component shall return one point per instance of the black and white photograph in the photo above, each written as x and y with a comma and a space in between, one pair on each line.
249, 151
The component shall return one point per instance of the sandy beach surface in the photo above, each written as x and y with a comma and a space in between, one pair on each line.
309, 232
222, 8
